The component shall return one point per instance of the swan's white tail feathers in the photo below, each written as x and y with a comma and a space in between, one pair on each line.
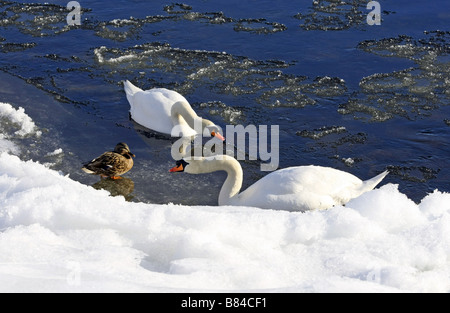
130, 90
370, 184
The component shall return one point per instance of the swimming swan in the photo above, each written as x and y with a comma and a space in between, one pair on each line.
300, 188
167, 112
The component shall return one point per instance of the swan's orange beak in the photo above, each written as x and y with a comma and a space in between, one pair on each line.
217, 135
179, 168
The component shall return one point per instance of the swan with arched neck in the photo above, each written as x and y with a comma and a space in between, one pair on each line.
301, 188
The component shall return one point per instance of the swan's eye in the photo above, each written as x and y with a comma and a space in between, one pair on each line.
217, 135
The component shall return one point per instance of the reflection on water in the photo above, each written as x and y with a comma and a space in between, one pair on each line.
119, 187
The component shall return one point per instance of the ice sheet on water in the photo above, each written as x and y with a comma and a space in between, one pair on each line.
265, 28
124, 29
221, 72
185, 70
409, 47
333, 136
360, 109
16, 47
322, 132
230, 115
178, 8
332, 15
337, 141
38, 20
295, 92
414, 174
257, 26
408, 93
421, 88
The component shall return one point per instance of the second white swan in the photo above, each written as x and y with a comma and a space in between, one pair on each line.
167, 112
302, 188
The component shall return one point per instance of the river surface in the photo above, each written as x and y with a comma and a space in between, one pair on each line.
344, 94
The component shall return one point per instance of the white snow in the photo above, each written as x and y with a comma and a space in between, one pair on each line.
14, 124
20, 118
7, 146
57, 235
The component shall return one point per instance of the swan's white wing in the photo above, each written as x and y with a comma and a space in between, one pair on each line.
302, 189
152, 109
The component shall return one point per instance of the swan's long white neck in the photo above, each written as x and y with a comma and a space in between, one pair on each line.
182, 110
233, 184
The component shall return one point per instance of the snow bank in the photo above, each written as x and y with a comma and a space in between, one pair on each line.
57, 235
18, 117
14, 124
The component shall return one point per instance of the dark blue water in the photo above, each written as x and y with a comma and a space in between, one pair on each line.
345, 94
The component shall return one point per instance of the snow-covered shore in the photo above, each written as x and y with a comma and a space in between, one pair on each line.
57, 235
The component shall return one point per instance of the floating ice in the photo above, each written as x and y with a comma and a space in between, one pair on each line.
38, 20
348, 161
15, 47
322, 132
56, 152
267, 28
332, 15
230, 115
222, 73
410, 92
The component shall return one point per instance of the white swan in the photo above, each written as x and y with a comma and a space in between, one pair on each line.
167, 112
300, 188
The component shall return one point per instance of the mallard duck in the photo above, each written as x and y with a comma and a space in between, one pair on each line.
111, 164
